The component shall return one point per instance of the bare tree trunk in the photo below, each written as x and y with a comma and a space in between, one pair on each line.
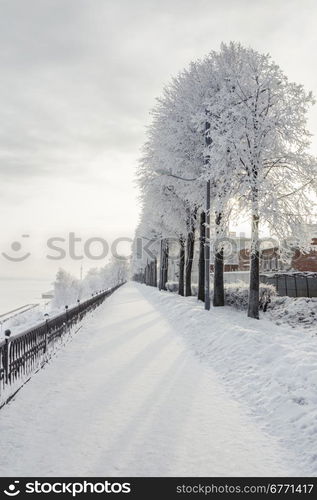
254, 290
161, 266
201, 262
189, 262
147, 274
181, 282
219, 292
155, 272
165, 265
207, 248
151, 273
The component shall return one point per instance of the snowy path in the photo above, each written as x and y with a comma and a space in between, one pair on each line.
128, 397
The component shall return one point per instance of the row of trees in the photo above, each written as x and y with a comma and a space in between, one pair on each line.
230, 128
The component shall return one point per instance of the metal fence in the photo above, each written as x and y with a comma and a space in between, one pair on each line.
24, 353
293, 285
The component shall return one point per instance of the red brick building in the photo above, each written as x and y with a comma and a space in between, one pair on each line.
269, 260
306, 261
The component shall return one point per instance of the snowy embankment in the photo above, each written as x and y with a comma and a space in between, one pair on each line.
25, 320
29, 319
128, 396
271, 368
298, 312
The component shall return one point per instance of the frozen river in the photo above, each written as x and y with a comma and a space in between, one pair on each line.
16, 293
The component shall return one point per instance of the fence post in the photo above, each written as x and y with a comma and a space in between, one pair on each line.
6, 361
66, 314
307, 287
295, 284
78, 311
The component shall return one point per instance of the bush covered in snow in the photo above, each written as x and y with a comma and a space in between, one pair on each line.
301, 311
236, 294
172, 286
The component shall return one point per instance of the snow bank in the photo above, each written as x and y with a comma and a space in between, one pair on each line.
236, 294
301, 311
23, 321
272, 369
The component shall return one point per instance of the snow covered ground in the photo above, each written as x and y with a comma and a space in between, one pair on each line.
154, 385
298, 312
271, 368
21, 322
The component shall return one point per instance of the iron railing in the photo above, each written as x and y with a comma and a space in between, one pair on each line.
23, 354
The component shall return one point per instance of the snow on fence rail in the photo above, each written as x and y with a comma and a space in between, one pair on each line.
24, 353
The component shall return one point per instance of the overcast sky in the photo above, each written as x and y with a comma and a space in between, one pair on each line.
78, 78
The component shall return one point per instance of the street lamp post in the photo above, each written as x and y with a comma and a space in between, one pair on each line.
207, 239
207, 249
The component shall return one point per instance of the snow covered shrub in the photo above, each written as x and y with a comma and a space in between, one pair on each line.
236, 294
172, 286
195, 289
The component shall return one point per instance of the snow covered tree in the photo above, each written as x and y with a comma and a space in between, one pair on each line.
234, 121
174, 157
67, 289
260, 136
